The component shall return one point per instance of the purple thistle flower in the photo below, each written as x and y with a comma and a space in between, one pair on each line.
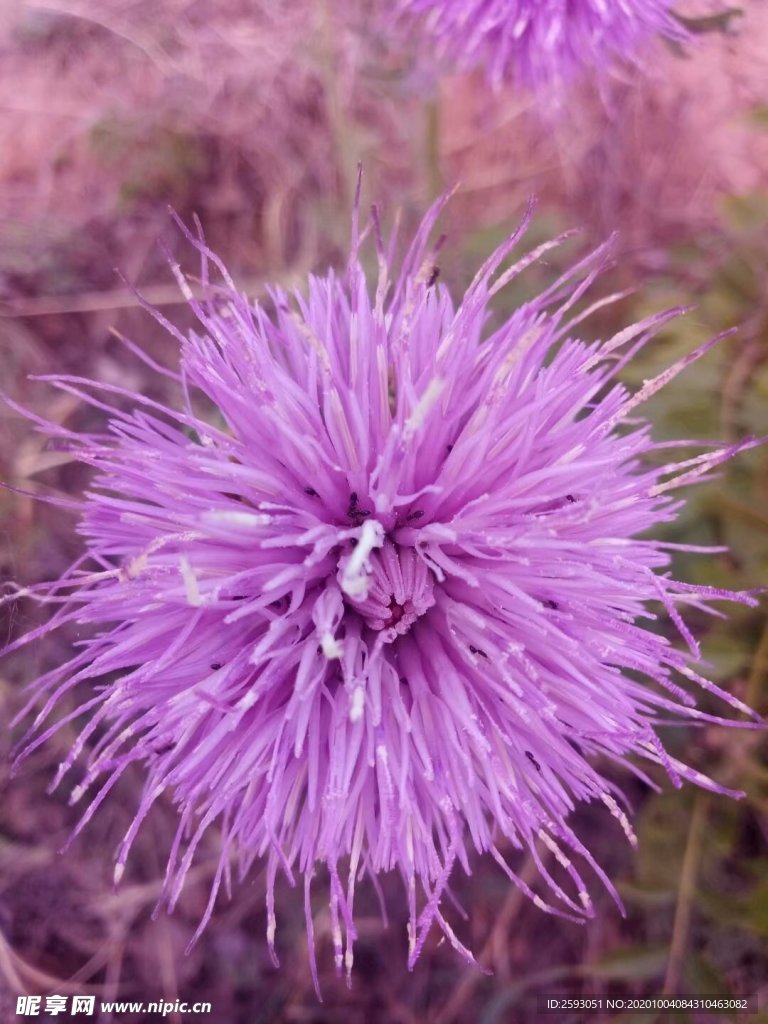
541, 42
386, 605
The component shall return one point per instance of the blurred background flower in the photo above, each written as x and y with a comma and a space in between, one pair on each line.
653, 156
540, 43
109, 112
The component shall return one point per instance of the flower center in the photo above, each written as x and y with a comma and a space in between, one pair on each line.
400, 590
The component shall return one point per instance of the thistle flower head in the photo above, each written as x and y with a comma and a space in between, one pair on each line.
385, 604
540, 42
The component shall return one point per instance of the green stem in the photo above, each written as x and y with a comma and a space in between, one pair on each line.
685, 894
338, 123
432, 147
758, 672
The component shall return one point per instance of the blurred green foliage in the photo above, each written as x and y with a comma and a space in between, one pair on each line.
150, 160
721, 396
